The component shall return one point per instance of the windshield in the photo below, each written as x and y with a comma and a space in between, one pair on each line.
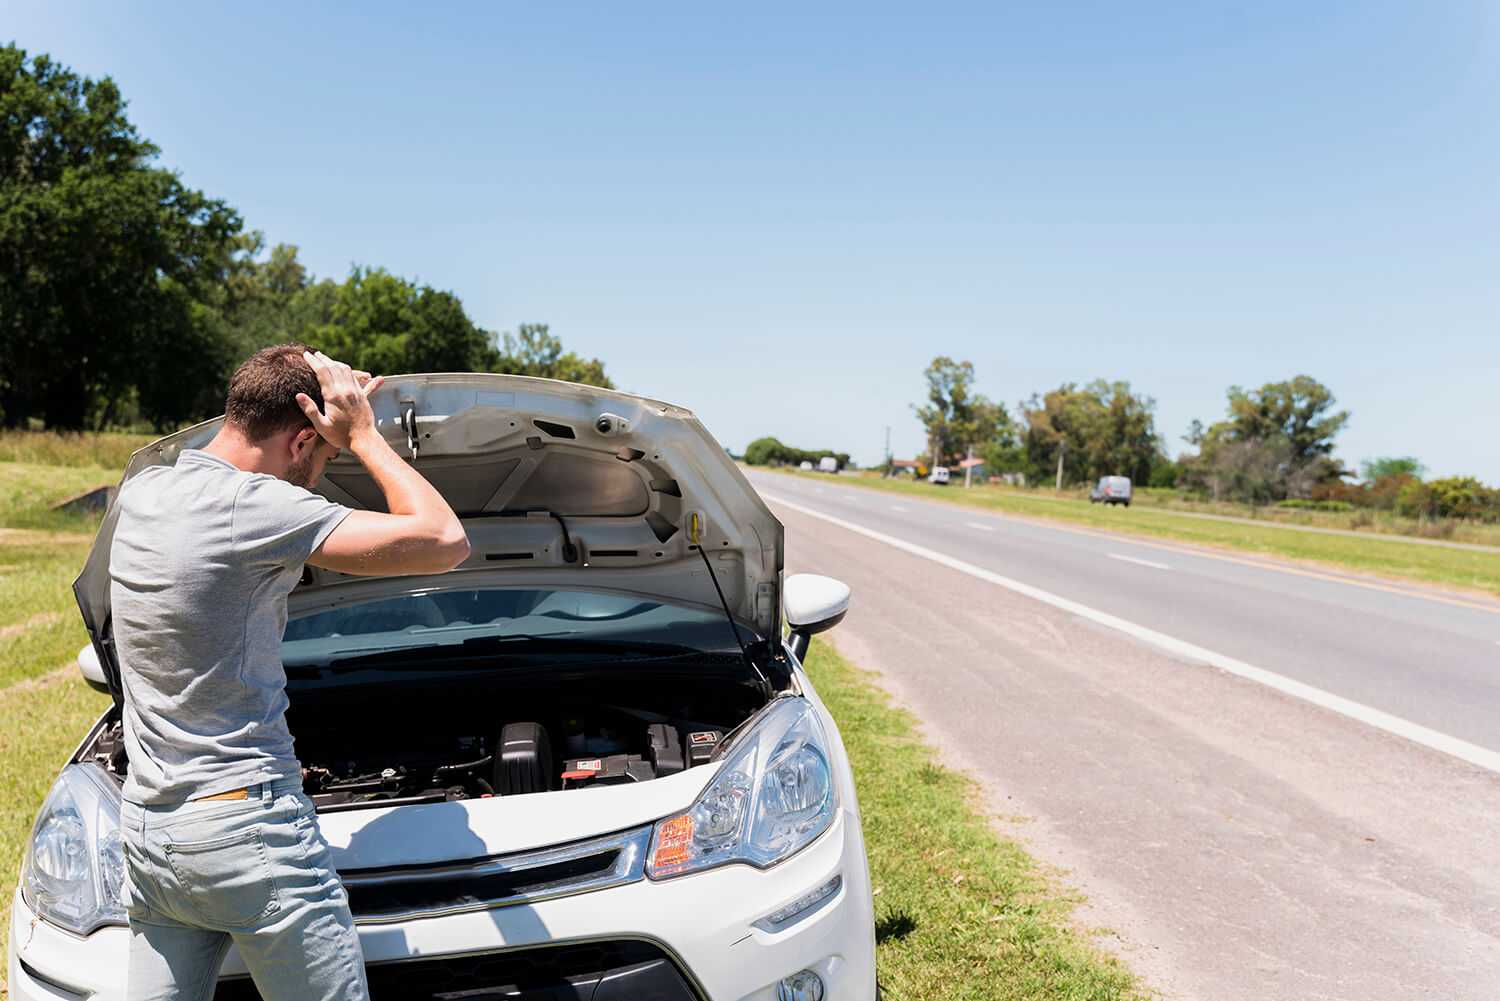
450, 618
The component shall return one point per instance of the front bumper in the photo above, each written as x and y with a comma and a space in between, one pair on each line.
706, 922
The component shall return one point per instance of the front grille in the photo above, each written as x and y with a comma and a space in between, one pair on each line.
594, 971
405, 892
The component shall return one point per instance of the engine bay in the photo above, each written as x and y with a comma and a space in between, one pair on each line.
615, 746
427, 737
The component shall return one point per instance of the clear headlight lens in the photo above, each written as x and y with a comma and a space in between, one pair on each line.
773, 795
73, 874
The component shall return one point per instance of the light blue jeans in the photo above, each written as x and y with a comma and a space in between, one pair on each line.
254, 872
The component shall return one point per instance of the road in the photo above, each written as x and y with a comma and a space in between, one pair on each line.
1315, 817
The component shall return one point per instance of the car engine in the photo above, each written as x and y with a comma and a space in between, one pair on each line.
522, 757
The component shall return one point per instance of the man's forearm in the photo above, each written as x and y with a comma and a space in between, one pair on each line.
406, 491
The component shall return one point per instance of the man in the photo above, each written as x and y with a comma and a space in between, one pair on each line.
221, 844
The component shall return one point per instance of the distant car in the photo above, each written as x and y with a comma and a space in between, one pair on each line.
805, 465
828, 464
1111, 490
939, 476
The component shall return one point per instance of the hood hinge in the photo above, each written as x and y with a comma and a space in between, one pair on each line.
409, 422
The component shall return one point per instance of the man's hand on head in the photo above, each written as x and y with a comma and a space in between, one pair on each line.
346, 413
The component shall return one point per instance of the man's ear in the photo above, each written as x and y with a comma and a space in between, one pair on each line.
304, 442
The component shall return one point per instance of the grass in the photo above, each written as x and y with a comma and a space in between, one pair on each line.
28, 491
45, 708
961, 912
105, 449
1385, 555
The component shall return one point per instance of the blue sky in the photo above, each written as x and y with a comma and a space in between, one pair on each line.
778, 217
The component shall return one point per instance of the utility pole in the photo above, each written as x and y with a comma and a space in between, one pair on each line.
969, 469
1062, 450
887, 471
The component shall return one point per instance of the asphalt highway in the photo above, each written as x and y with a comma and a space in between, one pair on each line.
1270, 781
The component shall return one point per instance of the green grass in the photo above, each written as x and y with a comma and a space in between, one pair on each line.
28, 491
1386, 555
108, 449
39, 727
962, 913
39, 625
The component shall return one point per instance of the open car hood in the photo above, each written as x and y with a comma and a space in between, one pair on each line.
640, 486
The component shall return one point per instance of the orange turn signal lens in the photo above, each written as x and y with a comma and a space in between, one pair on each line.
674, 841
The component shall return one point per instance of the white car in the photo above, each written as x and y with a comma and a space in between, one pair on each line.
586, 763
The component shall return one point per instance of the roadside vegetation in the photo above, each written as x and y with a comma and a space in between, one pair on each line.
1266, 466
961, 912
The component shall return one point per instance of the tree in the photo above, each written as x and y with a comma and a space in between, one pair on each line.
384, 323
109, 267
1102, 429
1276, 443
1390, 467
770, 451
1298, 410
949, 416
533, 350
996, 438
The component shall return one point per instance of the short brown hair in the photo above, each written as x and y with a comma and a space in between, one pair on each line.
263, 392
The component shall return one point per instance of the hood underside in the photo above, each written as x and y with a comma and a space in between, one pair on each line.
638, 485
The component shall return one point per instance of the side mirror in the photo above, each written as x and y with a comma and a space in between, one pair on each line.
814, 603
88, 666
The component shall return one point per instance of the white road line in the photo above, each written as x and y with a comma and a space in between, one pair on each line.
898, 507
1482, 757
1144, 563
981, 527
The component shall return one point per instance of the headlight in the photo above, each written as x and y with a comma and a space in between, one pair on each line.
74, 869
773, 795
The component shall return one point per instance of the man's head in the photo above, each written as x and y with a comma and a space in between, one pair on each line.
262, 410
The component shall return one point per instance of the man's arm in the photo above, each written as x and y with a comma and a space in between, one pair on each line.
421, 534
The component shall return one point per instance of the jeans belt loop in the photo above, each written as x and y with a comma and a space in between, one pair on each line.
266, 792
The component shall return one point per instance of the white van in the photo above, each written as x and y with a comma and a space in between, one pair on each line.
828, 464
939, 476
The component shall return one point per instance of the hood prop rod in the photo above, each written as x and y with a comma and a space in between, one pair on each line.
765, 683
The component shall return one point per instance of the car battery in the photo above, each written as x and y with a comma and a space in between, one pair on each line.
700, 746
613, 769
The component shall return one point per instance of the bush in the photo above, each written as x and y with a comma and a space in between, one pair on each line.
1317, 505
1452, 497
1165, 474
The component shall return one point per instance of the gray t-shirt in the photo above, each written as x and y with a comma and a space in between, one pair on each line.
204, 557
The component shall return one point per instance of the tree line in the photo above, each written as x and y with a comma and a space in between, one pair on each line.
1274, 445
127, 297
771, 452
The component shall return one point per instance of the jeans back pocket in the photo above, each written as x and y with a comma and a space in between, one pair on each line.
227, 880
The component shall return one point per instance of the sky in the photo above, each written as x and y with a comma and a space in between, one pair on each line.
778, 217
